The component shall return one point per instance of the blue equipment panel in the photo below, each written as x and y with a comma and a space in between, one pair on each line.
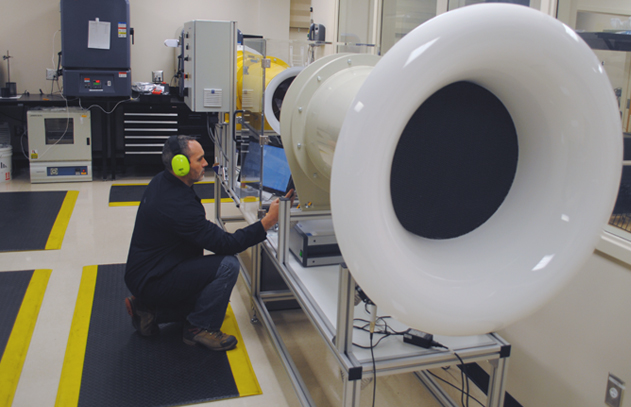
63, 171
93, 83
75, 34
95, 41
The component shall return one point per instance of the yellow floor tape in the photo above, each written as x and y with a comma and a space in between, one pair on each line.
126, 203
20, 338
70, 382
242, 370
137, 203
61, 223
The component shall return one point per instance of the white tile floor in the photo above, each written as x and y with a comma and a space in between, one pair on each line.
99, 234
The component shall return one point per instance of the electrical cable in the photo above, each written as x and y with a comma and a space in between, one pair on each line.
385, 330
56, 80
465, 382
211, 134
387, 327
22, 143
56, 77
374, 372
53, 56
455, 387
105, 111
427, 341
373, 321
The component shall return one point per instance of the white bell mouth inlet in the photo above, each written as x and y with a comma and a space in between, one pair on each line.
275, 94
475, 169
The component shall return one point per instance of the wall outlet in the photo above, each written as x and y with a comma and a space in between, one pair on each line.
615, 391
51, 74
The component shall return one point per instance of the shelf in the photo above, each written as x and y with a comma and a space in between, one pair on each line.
321, 285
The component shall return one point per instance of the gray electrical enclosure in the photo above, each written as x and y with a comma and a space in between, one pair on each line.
209, 56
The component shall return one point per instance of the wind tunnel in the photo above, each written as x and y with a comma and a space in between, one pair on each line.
469, 171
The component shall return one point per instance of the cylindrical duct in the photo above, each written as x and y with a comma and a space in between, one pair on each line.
315, 108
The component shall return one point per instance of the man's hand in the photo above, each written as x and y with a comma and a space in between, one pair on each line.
271, 218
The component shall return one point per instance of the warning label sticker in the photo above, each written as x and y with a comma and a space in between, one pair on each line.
122, 30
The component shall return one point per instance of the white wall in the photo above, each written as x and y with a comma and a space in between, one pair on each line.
27, 28
562, 355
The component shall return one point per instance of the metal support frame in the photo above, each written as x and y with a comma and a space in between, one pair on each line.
292, 371
217, 187
284, 225
339, 339
437, 391
261, 314
344, 337
351, 392
497, 384
345, 311
496, 390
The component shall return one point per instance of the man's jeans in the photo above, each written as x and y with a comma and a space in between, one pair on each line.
197, 290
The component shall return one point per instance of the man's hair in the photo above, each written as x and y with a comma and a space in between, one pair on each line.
167, 154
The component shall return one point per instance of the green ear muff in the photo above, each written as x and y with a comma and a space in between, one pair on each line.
180, 165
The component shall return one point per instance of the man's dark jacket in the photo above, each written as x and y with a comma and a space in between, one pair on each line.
171, 227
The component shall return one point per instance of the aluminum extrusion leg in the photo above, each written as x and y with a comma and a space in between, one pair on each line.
497, 382
344, 333
255, 281
284, 222
345, 311
217, 187
300, 388
351, 393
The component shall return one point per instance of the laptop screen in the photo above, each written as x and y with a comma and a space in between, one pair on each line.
276, 173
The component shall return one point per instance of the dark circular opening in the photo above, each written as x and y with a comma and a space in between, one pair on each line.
279, 95
455, 162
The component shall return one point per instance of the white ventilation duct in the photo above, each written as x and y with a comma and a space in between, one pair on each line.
473, 167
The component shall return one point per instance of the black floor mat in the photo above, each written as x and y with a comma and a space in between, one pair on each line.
27, 219
13, 285
122, 368
128, 195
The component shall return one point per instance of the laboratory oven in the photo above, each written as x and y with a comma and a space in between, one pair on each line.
60, 145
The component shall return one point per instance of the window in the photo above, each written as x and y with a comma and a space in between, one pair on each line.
606, 26
454, 4
59, 131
